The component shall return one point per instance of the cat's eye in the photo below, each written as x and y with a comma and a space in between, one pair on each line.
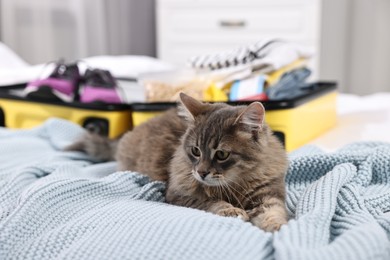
195, 151
222, 155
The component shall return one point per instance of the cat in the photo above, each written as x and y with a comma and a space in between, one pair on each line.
214, 157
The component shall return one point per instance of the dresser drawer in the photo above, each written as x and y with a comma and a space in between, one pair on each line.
212, 20
227, 3
193, 27
293, 20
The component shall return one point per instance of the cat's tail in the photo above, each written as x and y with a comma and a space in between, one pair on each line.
97, 146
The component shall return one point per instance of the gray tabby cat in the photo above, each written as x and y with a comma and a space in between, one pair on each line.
214, 157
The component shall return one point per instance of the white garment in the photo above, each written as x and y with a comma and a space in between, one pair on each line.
9, 59
14, 70
265, 55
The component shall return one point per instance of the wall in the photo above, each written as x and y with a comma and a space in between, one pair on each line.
355, 45
334, 41
369, 56
45, 30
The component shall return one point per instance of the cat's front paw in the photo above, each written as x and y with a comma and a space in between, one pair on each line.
269, 222
273, 226
234, 212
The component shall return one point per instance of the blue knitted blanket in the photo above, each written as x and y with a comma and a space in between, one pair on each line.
62, 205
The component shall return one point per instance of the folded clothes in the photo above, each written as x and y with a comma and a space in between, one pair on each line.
242, 89
289, 86
274, 77
264, 56
253, 87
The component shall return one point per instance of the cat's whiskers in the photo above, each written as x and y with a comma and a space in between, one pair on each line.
220, 187
234, 195
219, 191
242, 187
225, 192
245, 197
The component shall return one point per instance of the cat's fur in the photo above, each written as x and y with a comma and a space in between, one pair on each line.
248, 184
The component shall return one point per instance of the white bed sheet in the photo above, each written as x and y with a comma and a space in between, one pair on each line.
359, 118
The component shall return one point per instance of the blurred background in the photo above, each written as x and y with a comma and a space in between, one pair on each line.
351, 38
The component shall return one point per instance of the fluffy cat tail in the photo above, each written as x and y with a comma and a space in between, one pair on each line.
97, 146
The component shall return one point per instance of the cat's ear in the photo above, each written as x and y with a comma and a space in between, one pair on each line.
189, 107
252, 116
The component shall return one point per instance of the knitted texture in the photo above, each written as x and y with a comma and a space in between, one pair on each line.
62, 205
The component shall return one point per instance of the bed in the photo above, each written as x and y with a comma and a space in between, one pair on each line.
65, 205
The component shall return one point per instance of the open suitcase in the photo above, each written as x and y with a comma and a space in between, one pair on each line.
295, 121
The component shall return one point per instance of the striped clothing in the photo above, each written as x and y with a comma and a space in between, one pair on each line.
266, 55
239, 56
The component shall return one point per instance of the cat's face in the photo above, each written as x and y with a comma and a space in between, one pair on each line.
221, 141
214, 164
220, 146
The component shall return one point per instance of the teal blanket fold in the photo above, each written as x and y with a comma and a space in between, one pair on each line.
63, 205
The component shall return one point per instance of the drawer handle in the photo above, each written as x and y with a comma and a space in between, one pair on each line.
232, 23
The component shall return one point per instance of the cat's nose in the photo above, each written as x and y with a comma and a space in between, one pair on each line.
203, 174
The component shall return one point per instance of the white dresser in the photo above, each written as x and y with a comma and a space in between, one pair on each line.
191, 27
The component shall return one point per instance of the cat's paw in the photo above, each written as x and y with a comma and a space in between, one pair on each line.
273, 226
268, 222
234, 212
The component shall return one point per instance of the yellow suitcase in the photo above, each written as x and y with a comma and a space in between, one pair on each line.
107, 119
295, 121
